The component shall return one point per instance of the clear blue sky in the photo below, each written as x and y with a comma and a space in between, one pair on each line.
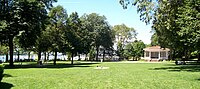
113, 11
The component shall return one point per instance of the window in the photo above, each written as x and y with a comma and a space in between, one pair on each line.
162, 54
154, 54
147, 54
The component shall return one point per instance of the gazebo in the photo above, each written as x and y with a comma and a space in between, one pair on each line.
156, 53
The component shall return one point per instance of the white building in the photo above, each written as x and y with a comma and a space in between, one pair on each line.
156, 53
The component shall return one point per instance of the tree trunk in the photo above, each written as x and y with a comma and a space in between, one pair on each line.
186, 54
79, 57
11, 50
137, 58
171, 54
86, 57
198, 57
54, 62
69, 56
29, 55
97, 55
72, 60
7, 57
18, 56
104, 55
39, 57
45, 56
48, 56
112, 57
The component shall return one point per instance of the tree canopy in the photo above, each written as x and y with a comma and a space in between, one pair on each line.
99, 31
26, 17
134, 50
176, 22
124, 35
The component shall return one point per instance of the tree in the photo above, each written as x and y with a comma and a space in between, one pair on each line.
176, 23
107, 40
146, 8
88, 31
181, 30
154, 40
4, 50
22, 16
188, 23
58, 21
138, 47
43, 43
134, 49
74, 35
97, 27
123, 35
128, 51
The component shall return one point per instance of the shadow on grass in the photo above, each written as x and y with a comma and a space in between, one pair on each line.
198, 79
7, 75
50, 65
4, 85
179, 68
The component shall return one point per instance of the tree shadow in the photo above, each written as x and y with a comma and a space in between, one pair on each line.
179, 68
50, 65
4, 85
198, 79
7, 75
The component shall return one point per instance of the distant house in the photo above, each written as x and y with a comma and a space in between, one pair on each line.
156, 53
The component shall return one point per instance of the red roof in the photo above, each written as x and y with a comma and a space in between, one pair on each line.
156, 48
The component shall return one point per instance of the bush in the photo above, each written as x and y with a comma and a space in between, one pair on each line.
1, 72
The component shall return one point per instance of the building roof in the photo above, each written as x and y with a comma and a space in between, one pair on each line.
156, 48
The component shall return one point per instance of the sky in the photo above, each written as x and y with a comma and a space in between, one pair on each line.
114, 13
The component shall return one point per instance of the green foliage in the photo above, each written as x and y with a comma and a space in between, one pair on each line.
31, 20
57, 27
134, 50
96, 25
54, 34
74, 33
98, 31
145, 8
176, 23
178, 29
123, 34
23, 18
44, 42
154, 40
92, 54
1, 72
3, 49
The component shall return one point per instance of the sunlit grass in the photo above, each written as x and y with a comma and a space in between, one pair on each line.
118, 76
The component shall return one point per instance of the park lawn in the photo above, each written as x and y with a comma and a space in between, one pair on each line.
120, 75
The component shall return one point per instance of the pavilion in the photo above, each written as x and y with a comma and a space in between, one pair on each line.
156, 53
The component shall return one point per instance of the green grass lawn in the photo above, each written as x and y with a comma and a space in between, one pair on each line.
119, 76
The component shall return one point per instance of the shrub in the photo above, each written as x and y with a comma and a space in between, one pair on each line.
1, 72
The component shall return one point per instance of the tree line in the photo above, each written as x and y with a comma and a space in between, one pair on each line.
175, 23
36, 25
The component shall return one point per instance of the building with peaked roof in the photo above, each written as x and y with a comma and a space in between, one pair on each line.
156, 53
